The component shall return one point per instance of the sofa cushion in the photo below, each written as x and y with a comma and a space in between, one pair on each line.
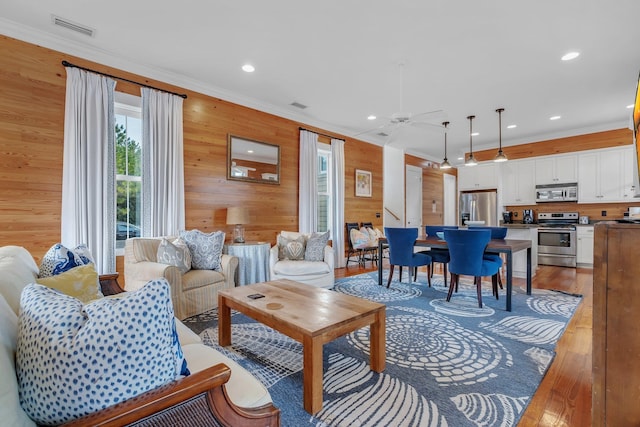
79, 282
244, 389
12, 412
17, 269
59, 259
198, 278
186, 336
359, 239
291, 248
175, 253
73, 359
314, 250
300, 268
206, 248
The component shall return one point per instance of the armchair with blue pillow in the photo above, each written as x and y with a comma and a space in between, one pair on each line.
70, 356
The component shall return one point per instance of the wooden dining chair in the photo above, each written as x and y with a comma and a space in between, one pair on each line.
466, 249
401, 243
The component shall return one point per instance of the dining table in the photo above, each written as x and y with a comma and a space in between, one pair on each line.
495, 246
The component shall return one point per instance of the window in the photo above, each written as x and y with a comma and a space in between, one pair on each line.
324, 188
128, 132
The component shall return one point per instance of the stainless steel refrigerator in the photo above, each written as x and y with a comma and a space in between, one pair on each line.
478, 206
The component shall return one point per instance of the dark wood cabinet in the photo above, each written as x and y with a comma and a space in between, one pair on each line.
616, 325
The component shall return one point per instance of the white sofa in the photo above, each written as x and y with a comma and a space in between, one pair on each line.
193, 292
18, 268
314, 273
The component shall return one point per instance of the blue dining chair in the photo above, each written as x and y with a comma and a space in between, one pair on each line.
438, 254
401, 242
496, 233
466, 249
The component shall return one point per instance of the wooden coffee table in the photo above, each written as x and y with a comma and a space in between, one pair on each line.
312, 316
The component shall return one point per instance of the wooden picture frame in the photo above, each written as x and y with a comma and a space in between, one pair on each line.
363, 183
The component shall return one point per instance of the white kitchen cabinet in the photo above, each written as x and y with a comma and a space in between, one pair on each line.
480, 177
520, 258
518, 184
584, 249
605, 176
560, 169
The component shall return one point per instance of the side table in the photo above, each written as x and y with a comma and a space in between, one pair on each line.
109, 284
253, 261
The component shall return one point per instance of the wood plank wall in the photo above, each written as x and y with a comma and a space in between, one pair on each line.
33, 83
432, 188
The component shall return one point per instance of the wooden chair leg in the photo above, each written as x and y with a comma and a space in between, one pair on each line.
454, 279
494, 284
400, 276
478, 281
390, 275
444, 267
429, 273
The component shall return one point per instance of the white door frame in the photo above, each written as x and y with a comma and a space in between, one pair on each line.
450, 216
413, 196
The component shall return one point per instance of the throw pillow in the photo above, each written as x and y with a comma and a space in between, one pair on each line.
79, 282
59, 259
359, 239
74, 359
291, 249
373, 239
205, 248
175, 253
315, 247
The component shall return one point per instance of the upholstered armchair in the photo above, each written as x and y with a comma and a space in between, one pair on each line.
314, 271
193, 292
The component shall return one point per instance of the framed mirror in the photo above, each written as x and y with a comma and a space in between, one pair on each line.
249, 160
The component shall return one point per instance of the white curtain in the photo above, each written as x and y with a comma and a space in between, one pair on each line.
337, 192
308, 187
162, 164
88, 171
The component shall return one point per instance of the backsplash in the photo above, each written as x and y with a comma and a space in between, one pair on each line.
592, 210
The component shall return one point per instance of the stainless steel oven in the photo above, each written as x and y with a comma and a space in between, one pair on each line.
557, 238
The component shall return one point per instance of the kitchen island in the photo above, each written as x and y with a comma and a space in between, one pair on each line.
520, 231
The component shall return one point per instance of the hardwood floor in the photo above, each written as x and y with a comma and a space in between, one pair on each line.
564, 396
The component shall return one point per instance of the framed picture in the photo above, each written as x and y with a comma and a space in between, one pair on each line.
363, 183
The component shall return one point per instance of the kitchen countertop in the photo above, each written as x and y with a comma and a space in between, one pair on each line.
519, 225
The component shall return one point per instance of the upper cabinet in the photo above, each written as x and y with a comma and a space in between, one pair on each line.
483, 176
605, 175
561, 169
518, 184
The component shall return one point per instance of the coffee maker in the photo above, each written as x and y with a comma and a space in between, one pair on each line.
507, 217
527, 216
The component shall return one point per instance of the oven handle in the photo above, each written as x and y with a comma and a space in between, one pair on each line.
555, 229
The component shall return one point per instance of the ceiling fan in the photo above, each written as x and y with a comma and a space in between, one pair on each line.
402, 118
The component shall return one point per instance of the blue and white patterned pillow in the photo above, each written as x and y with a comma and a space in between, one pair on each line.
206, 249
74, 359
59, 259
316, 243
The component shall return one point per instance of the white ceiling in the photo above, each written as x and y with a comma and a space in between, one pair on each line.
342, 59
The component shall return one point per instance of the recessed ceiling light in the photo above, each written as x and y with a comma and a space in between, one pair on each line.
371, 117
512, 126
475, 134
460, 158
555, 117
248, 68
250, 151
570, 55
630, 106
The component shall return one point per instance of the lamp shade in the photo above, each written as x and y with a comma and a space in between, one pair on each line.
237, 215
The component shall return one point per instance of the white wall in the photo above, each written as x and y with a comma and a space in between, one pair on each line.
393, 189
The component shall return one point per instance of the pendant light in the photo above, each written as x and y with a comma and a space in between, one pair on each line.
445, 163
471, 161
500, 157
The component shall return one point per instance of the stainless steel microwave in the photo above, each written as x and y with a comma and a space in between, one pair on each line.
557, 193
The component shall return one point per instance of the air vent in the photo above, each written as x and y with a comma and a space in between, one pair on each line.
298, 105
382, 134
65, 23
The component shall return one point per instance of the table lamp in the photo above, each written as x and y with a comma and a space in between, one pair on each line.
237, 215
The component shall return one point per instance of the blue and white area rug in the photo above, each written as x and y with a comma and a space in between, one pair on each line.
448, 364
